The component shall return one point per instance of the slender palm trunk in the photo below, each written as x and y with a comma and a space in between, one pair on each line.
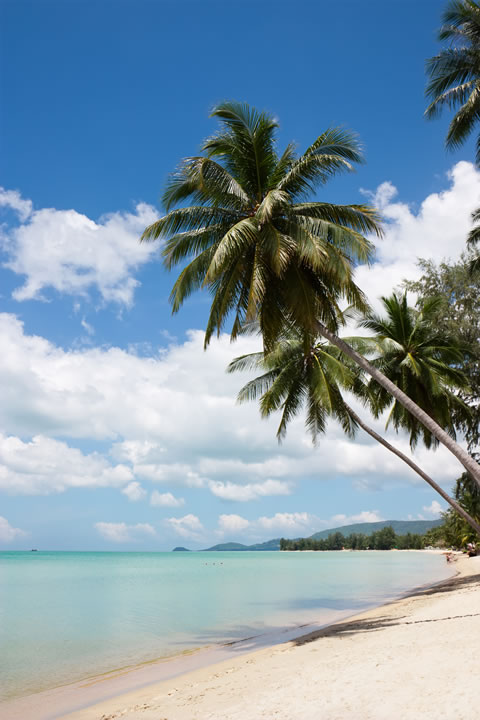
458, 508
462, 455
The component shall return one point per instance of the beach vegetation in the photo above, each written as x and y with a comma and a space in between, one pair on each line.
383, 539
409, 348
456, 531
456, 315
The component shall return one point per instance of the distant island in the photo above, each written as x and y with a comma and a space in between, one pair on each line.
181, 549
400, 527
269, 545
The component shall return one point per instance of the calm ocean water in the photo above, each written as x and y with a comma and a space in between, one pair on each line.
67, 616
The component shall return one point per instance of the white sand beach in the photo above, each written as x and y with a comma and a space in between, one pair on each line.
414, 659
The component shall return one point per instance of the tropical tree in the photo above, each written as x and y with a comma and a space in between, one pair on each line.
265, 253
420, 359
304, 373
456, 316
455, 84
455, 72
456, 530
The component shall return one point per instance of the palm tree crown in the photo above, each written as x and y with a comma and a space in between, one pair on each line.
300, 371
455, 72
419, 360
263, 251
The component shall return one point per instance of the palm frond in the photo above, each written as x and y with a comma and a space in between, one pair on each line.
334, 151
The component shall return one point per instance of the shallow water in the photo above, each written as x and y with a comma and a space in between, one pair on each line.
66, 616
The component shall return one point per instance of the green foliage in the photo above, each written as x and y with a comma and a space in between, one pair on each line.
401, 527
250, 238
456, 315
301, 371
455, 72
383, 539
268, 545
456, 531
409, 349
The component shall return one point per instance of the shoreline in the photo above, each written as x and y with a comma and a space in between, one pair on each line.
98, 696
412, 658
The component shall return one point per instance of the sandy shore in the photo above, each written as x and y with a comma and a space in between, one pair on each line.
414, 659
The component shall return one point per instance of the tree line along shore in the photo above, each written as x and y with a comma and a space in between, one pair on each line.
383, 539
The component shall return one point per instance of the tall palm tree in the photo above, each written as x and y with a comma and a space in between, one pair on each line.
455, 72
304, 373
419, 360
265, 253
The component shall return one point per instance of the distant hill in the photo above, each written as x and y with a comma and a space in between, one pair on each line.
181, 549
401, 527
269, 545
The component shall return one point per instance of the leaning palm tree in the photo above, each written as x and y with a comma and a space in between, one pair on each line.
455, 72
263, 251
305, 373
418, 359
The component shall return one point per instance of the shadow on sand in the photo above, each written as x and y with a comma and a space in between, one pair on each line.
344, 629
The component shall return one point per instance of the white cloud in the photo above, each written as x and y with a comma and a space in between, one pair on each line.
9, 533
232, 523
134, 491
165, 500
251, 491
188, 526
147, 406
366, 516
72, 254
45, 465
292, 522
437, 230
89, 329
434, 509
121, 532
12, 199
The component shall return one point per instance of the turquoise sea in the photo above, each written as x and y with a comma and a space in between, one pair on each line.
65, 616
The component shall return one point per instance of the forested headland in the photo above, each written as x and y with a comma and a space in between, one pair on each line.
384, 539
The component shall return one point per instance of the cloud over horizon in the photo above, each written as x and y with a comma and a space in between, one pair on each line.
165, 423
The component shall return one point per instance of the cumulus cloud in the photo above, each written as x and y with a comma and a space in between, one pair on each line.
362, 517
434, 509
188, 526
232, 523
9, 533
437, 230
45, 465
291, 522
121, 532
144, 407
134, 491
13, 200
165, 500
250, 491
68, 252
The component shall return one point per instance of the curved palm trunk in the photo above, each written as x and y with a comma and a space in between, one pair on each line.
462, 455
458, 508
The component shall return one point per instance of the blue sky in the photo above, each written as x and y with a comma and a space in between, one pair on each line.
116, 430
